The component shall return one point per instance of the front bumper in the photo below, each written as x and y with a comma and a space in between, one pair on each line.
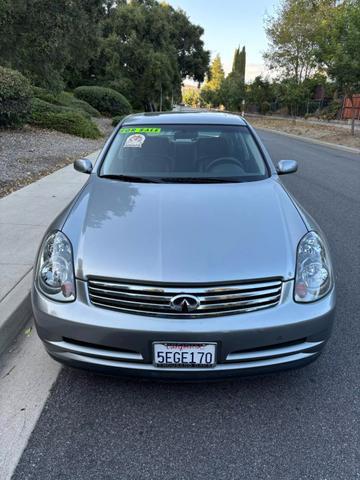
82, 335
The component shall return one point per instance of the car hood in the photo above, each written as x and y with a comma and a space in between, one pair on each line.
184, 233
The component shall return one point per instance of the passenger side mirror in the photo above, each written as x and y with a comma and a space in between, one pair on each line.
83, 165
286, 166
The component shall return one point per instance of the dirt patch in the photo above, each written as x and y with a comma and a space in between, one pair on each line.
31, 153
325, 133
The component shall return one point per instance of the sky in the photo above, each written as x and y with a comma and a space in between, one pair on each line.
230, 23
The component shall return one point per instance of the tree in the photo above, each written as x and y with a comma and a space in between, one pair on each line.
239, 63
143, 47
210, 93
261, 93
152, 47
232, 91
339, 47
43, 38
292, 33
191, 96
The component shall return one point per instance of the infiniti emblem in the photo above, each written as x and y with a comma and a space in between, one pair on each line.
184, 303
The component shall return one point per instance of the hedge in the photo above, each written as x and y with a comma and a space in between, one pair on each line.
15, 98
117, 120
63, 119
107, 101
66, 99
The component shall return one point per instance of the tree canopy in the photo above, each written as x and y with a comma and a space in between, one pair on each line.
210, 93
143, 46
293, 34
339, 47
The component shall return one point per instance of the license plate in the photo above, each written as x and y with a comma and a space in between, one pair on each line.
185, 355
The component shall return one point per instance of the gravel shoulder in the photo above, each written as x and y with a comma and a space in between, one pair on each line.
325, 133
30, 153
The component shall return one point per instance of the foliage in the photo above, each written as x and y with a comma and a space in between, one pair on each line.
142, 49
121, 85
69, 100
117, 120
330, 112
339, 49
232, 92
50, 42
232, 89
151, 47
261, 93
191, 96
211, 92
239, 63
15, 98
41, 106
292, 33
105, 100
66, 99
55, 117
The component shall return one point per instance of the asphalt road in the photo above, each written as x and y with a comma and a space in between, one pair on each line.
302, 424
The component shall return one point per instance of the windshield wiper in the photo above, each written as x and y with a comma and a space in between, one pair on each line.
202, 180
133, 178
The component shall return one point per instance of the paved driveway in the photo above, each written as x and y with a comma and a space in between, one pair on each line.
301, 424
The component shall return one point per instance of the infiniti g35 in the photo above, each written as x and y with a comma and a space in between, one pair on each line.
184, 257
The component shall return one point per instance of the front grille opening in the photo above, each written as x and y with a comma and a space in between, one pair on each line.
272, 346
97, 346
155, 300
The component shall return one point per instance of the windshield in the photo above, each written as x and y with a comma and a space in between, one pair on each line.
187, 153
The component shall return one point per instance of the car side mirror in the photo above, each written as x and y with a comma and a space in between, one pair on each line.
286, 166
83, 165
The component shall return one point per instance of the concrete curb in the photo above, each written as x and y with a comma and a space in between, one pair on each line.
15, 307
311, 140
15, 311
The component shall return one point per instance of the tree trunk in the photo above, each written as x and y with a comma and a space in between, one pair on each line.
352, 115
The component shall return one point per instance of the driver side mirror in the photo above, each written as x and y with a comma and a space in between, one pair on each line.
286, 166
83, 165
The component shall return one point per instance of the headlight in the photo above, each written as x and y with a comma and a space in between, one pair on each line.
55, 271
313, 269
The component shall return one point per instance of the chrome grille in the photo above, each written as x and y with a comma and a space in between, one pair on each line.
155, 300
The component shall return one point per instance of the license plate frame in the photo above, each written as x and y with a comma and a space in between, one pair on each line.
208, 347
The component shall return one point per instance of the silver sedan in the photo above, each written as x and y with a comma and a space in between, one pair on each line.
184, 257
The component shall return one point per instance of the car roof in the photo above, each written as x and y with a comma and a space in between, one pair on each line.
187, 118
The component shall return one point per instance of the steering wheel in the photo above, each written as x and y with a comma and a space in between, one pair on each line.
224, 160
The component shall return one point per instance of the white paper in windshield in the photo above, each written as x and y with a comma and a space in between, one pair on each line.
135, 141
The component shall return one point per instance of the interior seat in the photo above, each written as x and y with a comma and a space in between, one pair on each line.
153, 156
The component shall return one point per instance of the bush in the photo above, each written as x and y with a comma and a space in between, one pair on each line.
15, 98
123, 86
38, 105
106, 100
117, 120
66, 99
63, 119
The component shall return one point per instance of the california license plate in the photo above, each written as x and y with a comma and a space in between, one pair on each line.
185, 355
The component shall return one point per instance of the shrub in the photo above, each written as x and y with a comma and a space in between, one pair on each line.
117, 120
45, 95
121, 85
106, 100
38, 105
66, 99
264, 107
63, 119
15, 98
